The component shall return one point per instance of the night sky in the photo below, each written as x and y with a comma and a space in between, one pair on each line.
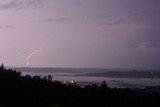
80, 33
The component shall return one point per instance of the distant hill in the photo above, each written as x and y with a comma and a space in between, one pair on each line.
126, 74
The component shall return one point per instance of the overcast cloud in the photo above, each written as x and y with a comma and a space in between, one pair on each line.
86, 33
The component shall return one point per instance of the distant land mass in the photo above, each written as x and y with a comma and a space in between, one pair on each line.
126, 74
93, 72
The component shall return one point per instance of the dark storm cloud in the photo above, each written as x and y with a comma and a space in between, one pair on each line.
150, 16
144, 15
61, 19
136, 10
150, 35
151, 38
21, 4
119, 21
79, 3
115, 22
9, 26
4, 26
115, 33
134, 41
100, 16
12, 4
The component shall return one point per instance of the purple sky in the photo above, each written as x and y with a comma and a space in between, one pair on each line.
84, 33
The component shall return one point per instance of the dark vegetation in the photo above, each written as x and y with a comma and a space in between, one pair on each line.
26, 91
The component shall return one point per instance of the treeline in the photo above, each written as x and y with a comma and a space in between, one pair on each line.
26, 91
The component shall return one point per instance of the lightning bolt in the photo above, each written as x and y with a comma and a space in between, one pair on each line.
28, 57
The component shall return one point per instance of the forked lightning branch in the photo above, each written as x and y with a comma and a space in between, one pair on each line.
28, 57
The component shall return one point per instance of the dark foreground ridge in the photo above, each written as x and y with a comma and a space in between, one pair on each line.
26, 91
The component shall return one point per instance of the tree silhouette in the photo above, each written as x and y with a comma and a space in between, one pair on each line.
27, 91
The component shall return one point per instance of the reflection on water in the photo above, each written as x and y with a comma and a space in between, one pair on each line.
112, 82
